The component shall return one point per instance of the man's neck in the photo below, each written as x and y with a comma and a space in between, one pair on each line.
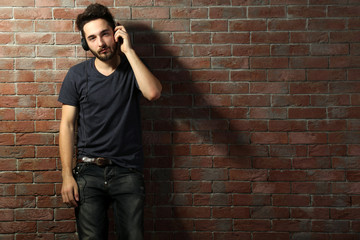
107, 67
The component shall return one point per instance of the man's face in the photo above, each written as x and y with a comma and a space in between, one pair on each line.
100, 38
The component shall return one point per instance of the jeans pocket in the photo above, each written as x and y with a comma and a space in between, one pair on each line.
80, 180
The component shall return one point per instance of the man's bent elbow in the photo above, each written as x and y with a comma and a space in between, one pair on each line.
154, 95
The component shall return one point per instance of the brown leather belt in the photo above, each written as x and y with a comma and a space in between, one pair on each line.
99, 161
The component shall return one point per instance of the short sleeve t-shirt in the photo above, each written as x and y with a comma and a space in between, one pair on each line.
109, 123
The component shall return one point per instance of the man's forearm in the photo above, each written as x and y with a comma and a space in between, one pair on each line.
66, 146
149, 85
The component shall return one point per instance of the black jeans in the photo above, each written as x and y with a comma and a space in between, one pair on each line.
101, 186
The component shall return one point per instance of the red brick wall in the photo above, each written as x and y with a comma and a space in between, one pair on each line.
256, 136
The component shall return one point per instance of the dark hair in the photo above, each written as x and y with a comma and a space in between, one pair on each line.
93, 12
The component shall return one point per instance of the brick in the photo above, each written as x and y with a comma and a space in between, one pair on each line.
267, 12
227, 13
34, 214
233, 63
18, 76
344, 112
290, 100
16, 25
212, 50
308, 188
248, 125
38, 64
64, 214
247, 25
342, 226
305, 37
232, 162
209, 25
270, 37
56, 227
264, 212
17, 51
58, 3
344, 37
250, 50
269, 138
34, 38
14, 177
326, 24
213, 100
232, 113
286, 126
49, 51
189, 13
268, 113
192, 63
309, 163
192, 212
288, 150
265, 236
134, 3
252, 225
192, 187
48, 177
236, 212
344, 137
8, 164
292, 225
146, 38
248, 75
272, 163
308, 113
211, 2
271, 187
179, 51
329, 49
19, 3
307, 138
160, 12
7, 88
289, 25
216, 150
290, 50
54, 25
248, 175
17, 151
19, 227
212, 225
35, 189
17, 202
6, 13
307, 11
32, 13
35, 114
6, 38
7, 139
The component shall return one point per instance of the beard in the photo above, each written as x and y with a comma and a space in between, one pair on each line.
109, 54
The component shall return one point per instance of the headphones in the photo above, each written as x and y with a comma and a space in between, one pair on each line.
84, 44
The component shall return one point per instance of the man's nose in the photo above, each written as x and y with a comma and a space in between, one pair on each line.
101, 42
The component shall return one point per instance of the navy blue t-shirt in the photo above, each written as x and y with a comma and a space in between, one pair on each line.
109, 123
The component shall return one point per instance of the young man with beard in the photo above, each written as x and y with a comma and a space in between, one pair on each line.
102, 96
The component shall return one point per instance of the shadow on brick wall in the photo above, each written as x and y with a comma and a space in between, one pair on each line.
189, 140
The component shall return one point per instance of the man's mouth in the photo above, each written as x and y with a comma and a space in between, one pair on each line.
104, 50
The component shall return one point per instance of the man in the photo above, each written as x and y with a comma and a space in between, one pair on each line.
102, 95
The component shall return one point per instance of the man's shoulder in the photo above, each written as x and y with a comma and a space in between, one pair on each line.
80, 67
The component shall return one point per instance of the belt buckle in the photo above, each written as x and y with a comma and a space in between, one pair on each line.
100, 161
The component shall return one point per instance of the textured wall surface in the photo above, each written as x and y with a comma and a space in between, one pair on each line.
256, 136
